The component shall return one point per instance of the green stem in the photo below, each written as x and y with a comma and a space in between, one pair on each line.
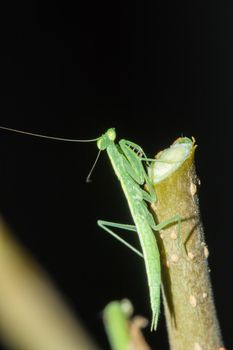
187, 294
123, 332
116, 326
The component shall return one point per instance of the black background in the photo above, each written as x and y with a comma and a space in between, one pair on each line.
154, 71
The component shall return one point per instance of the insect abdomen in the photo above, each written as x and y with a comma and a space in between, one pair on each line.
153, 269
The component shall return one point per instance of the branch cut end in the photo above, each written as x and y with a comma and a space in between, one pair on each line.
170, 159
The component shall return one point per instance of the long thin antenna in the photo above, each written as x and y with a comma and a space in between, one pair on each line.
92, 168
45, 136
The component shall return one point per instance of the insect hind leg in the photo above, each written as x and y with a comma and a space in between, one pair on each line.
105, 226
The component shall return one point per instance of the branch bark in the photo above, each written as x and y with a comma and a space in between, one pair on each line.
187, 294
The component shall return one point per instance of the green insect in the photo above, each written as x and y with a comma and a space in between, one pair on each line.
127, 161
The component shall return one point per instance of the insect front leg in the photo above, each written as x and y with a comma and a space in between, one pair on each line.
134, 166
134, 147
105, 224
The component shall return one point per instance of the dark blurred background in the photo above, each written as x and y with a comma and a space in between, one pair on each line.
154, 71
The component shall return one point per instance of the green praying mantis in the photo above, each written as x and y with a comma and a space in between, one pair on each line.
127, 161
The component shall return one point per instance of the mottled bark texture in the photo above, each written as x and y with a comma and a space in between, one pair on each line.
187, 294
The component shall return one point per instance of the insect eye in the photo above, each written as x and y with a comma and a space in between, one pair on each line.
102, 143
